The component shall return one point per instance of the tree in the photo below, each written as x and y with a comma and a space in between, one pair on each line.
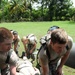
57, 8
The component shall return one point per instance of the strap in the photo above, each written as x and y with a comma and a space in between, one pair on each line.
67, 47
38, 65
7, 60
48, 54
8, 56
38, 53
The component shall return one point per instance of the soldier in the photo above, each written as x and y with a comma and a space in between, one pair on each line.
29, 43
56, 48
16, 41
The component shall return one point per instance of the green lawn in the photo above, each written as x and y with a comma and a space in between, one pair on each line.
40, 29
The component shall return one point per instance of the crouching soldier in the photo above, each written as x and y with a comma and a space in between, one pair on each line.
29, 42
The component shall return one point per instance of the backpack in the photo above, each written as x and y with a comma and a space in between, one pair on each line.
30, 36
45, 38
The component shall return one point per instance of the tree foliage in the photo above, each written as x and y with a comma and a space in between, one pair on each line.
21, 10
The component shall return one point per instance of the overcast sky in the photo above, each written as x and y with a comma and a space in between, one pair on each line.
73, 2
35, 5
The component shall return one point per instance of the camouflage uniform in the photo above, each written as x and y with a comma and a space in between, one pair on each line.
32, 39
4, 66
23, 66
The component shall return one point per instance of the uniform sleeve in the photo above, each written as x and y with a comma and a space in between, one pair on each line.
43, 57
13, 58
70, 42
19, 38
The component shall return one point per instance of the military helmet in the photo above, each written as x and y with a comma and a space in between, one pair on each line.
14, 32
52, 28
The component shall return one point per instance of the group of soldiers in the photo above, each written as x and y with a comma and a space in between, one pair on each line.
29, 43
10, 62
54, 50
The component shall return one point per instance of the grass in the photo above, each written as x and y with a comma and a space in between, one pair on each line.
40, 29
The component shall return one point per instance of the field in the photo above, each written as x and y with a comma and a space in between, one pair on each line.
40, 29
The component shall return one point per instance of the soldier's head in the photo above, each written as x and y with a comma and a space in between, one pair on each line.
5, 39
15, 34
59, 39
24, 40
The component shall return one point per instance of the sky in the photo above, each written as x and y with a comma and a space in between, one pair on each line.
73, 2
35, 5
